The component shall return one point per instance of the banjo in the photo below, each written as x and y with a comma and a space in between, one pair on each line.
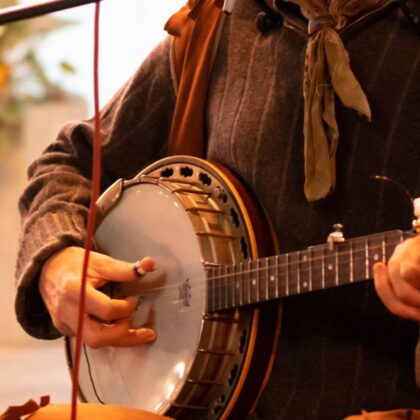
215, 260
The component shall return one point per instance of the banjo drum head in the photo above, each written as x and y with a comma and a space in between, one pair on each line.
149, 220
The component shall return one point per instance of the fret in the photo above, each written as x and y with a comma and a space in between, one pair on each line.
266, 275
246, 283
400, 237
383, 248
310, 267
239, 289
272, 278
277, 262
392, 240
330, 268
260, 281
283, 277
304, 276
343, 262
298, 273
293, 271
358, 259
375, 251
351, 262
253, 278
317, 263
367, 276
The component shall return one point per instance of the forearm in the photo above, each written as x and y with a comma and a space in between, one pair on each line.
54, 206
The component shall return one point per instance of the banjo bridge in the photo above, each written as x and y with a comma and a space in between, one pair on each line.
185, 293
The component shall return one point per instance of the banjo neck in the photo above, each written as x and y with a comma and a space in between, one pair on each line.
315, 268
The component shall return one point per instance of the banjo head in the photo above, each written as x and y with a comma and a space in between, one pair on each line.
150, 220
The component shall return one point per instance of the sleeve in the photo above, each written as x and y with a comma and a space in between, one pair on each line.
134, 128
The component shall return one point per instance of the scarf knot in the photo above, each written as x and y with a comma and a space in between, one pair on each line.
321, 22
327, 75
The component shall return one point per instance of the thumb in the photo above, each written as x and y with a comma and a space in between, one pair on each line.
112, 269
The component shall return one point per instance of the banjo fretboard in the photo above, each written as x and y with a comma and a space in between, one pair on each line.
315, 268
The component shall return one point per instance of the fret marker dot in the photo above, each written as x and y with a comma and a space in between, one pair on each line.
272, 278
305, 258
305, 284
330, 267
376, 257
237, 285
254, 282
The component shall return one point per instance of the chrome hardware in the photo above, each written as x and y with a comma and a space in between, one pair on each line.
215, 235
203, 209
416, 221
204, 382
114, 193
209, 264
335, 237
190, 191
220, 194
190, 406
148, 178
217, 352
177, 181
217, 318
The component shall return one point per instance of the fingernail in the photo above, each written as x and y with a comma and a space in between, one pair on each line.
148, 336
138, 269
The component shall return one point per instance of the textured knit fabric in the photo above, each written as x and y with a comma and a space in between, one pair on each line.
340, 350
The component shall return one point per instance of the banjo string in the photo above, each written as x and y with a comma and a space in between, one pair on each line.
293, 265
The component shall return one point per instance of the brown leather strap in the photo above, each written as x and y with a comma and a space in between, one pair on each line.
195, 29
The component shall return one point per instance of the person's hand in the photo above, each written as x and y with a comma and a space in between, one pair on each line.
60, 289
398, 284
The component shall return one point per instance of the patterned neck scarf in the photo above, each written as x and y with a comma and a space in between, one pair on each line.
327, 73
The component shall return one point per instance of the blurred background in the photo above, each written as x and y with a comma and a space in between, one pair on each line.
45, 80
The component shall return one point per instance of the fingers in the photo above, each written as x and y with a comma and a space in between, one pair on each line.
99, 304
60, 284
107, 268
404, 305
405, 262
97, 334
118, 334
103, 307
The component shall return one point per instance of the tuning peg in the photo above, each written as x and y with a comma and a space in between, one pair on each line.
336, 236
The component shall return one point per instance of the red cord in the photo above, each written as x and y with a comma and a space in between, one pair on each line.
96, 179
